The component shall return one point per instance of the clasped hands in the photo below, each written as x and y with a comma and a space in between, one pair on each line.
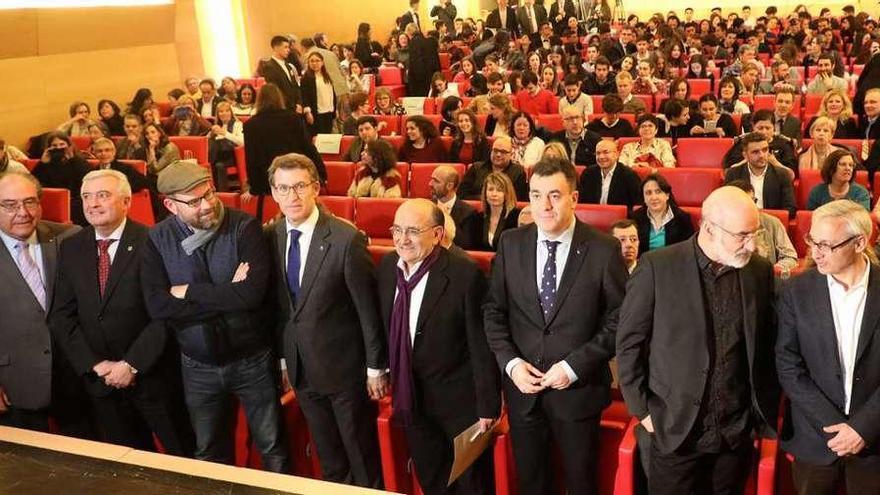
179, 291
530, 380
116, 374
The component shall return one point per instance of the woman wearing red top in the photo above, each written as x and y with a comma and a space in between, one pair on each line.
463, 77
469, 144
534, 99
422, 144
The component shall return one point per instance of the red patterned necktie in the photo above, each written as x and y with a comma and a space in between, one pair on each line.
104, 263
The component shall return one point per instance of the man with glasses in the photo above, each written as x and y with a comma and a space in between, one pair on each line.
772, 183
327, 323
443, 375
550, 317
499, 161
100, 321
828, 365
695, 352
204, 271
133, 146
580, 142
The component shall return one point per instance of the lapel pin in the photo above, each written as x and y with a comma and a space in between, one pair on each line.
128, 248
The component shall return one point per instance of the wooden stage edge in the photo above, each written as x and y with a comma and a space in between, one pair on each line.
204, 469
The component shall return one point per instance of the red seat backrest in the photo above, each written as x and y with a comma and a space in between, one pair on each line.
601, 217
390, 75
339, 177
82, 143
550, 121
139, 165
192, 147
396, 142
803, 222
696, 213
142, 208
403, 170
241, 164
420, 177
812, 103
341, 206
691, 185
378, 252
702, 152
375, 215
392, 124
230, 199
699, 87
434, 119
56, 204
483, 259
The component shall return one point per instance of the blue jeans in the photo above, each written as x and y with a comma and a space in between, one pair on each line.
207, 389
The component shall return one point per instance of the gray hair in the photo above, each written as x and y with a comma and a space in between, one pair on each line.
856, 219
26, 176
123, 188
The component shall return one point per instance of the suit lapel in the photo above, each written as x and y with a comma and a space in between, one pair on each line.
824, 316
281, 253
691, 298
750, 315
871, 313
530, 284
126, 250
436, 285
49, 248
576, 255
317, 251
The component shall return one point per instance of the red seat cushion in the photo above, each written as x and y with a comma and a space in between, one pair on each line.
375, 216
691, 185
702, 152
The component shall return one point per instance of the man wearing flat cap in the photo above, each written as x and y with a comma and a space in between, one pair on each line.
204, 272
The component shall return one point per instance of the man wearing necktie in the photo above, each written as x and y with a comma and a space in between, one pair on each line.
279, 72
530, 17
327, 324
551, 318
101, 323
35, 380
411, 16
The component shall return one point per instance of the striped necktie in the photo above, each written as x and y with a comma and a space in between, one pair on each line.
31, 272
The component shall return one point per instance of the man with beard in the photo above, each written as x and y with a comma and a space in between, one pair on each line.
444, 191
204, 272
703, 400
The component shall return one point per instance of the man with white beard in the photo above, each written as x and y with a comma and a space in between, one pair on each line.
698, 319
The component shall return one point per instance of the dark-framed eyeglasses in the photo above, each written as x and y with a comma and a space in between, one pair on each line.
194, 203
824, 248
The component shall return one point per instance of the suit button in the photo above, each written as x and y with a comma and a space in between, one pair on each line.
45, 351
858, 379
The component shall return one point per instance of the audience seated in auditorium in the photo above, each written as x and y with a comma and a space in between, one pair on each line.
160, 152
869, 128
79, 122
376, 176
772, 183
360, 106
821, 131
677, 115
62, 167
469, 143
225, 136
132, 146
610, 124
421, 143
499, 211
207, 104
358, 82
499, 161
500, 113
838, 182
7, 163
711, 123
444, 184
579, 142
660, 222
186, 120
627, 234
108, 113
534, 99
646, 83
448, 110
781, 75
825, 79
782, 148
609, 182
649, 150
785, 123
143, 98
574, 97
192, 87
244, 105
228, 89
631, 104
836, 106
385, 105
527, 147
601, 81
367, 130
729, 101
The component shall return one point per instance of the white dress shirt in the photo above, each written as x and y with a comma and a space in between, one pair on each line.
847, 308
288, 70
757, 182
606, 184
447, 205
116, 235
416, 297
36, 251
307, 228
542, 254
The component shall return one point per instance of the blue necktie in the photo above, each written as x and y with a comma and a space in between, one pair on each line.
548, 279
293, 264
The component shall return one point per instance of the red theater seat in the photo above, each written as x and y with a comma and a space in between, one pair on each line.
551, 122
301, 449
378, 252
339, 177
601, 217
692, 185
82, 143
396, 142
812, 103
375, 216
420, 177
142, 208
192, 147
433, 119
390, 75
803, 220
702, 152
696, 213
341, 206
392, 124
344, 145
483, 259
808, 179
699, 87
403, 169
56, 204
230, 199
139, 165
397, 468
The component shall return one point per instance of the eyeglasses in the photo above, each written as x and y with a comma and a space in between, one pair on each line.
12, 207
741, 237
101, 195
299, 187
824, 248
194, 203
409, 232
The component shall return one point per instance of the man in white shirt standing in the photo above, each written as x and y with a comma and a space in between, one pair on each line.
828, 363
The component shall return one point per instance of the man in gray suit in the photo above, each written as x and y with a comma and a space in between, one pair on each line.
32, 376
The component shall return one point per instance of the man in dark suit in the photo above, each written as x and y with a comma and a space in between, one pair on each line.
550, 317
869, 127
615, 49
424, 61
35, 382
100, 321
700, 402
207, 104
828, 365
784, 122
560, 11
277, 71
503, 17
580, 142
499, 161
782, 147
609, 182
443, 374
530, 17
774, 182
411, 16
444, 189
328, 324
545, 39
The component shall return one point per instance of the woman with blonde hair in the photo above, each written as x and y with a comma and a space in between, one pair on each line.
838, 107
500, 115
554, 150
480, 105
821, 132
499, 210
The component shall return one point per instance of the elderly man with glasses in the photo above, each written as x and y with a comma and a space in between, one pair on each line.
499, 161
205, 271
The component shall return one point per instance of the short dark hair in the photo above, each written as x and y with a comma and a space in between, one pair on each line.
662, 183
292, 161
763, 115
367, 119
622, 224
674, 107
571, 80
752, 137
208, 80
529, 77
611, 103
494, 77
358, 99
709, 97
647, 117
742, 184
829, 166
827, 56
602, 60
425, 126
552, 166
278, 39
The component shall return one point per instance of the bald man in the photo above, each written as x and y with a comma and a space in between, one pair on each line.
443, 375
444, 192
698, 319
609, 182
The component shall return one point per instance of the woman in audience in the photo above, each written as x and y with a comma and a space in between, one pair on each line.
533, 63
648, 151
7, 164
469, 144
185, 120
108, 113
463, 77
150, 115
628, 64
448, 111
97, 130
697, 68
228, 90
838, 182
225, 135
385, 105
678, 118
439, 87
527, 147
675, 58
646, 83
709, 122
821, 131
365, 49
837, 106
360, 106
661, 222
680, 89
500, 113
514, 80
728, 97
376, 176
175, 95
244, 104
550, 82
318, 96
422, 143
79, 122
160, 151
554, 150
358, 82
143, 98
499, 210
402, 55
62, 167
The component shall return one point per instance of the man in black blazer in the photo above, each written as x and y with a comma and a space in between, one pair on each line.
444, 192
509, 23
424, 62
609, 182
530, 17
695, 351
784, 122
580, 142
411, 16
828, 363
207, 104
559, 15
869, 127
277, 71
550, 317
99, 319
444, 377
327, 321
775, 181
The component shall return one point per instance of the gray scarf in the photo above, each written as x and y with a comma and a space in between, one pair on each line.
201, 237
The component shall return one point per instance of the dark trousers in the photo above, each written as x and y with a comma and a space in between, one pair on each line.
323, 123
343, 426
208, 388
695, 473
860, 474
431, 448
130, 417
578, 441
